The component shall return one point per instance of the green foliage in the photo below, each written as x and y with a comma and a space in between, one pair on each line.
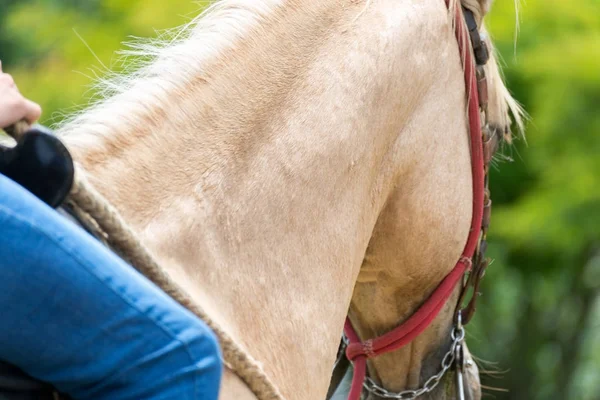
540, 311
61, 46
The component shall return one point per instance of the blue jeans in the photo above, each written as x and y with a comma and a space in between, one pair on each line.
75, 315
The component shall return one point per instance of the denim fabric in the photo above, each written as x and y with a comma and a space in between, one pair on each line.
77, 316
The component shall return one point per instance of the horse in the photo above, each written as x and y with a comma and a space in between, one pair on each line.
290, 163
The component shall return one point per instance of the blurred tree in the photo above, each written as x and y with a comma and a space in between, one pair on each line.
8, 49
540, 310
61, 46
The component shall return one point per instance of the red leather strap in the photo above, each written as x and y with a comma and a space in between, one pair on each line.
358, 351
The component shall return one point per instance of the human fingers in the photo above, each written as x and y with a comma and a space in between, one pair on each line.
33, 111
7, 81
14, 108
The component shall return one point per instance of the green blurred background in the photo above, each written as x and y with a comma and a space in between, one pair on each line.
537, 331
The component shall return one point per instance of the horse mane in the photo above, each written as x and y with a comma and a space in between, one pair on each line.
178, 57
499, 93
154, 67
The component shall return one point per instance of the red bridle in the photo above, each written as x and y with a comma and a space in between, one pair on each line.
358, 351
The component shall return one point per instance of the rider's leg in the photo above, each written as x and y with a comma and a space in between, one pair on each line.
77, 316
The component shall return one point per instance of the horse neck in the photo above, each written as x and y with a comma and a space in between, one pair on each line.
259, 185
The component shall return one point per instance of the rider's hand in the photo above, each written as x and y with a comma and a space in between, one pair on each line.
13, 106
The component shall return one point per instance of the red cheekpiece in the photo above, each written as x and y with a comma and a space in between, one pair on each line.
358, 352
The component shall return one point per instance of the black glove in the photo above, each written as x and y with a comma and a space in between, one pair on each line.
41, 163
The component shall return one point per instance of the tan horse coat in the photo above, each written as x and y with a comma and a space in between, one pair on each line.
284, 151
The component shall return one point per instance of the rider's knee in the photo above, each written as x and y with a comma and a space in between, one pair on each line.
206, 353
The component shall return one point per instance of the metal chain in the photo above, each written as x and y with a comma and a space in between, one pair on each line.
458, 336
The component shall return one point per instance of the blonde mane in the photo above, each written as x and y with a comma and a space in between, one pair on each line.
167, 64
502, 106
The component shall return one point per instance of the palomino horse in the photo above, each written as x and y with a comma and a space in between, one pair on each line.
291, 162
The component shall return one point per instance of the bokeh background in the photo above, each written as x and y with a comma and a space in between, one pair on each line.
537, 330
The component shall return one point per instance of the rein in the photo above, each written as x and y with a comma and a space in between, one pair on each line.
100, 218
483, 145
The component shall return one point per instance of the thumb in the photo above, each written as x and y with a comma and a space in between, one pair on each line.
33, 111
